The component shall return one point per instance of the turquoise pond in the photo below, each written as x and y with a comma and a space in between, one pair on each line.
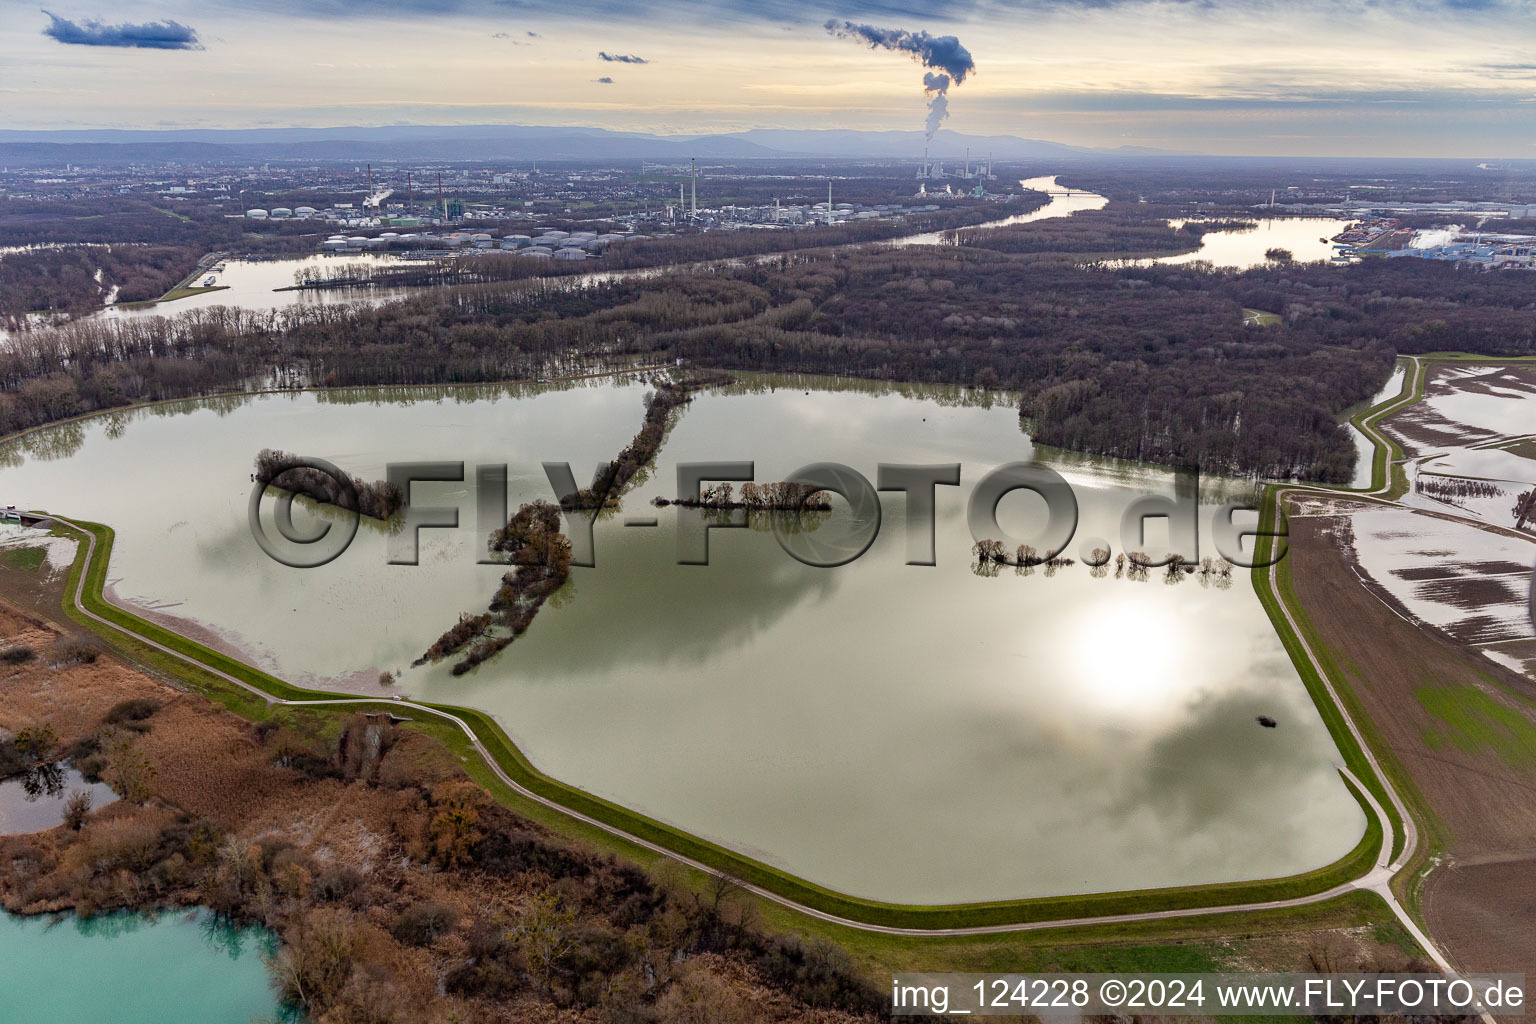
133, 969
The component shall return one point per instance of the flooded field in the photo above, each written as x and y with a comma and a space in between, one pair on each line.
1468, 460
1002, 735
1365, 448
1472, 584
1465, 406
1462, 442
261, 284
35, 801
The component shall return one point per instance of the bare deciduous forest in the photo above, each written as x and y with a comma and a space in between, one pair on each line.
1151, 363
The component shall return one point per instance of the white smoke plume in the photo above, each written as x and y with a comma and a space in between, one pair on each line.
936, 88
944, 54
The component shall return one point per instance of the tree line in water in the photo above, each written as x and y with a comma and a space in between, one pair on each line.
541, 563
377, 500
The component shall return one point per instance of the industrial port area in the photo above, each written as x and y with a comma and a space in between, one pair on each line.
1378, 233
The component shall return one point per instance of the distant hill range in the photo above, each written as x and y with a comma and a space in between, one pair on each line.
508, 142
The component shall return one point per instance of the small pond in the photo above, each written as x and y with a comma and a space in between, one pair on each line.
35, 802
134, 969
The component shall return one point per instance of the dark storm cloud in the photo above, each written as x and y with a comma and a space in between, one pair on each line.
621, 58
152, 35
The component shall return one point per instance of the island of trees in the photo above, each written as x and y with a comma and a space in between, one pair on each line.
610, 481
780, 496
377, 500
541, 563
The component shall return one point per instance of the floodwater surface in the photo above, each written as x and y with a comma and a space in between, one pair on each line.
35, 801
917, 734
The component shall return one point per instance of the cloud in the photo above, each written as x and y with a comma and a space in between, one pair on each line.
951, 61
621, 58
605, 80
152, 35
500, 35
943, 53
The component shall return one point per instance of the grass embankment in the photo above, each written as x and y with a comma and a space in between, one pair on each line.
516, 766
192, 668
1332, 714
182, 293
1197, 942
179, 292
1259, 318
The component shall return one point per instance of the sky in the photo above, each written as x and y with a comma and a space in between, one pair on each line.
1261, 77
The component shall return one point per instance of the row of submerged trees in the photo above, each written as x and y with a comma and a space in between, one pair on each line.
988, 557
541, 563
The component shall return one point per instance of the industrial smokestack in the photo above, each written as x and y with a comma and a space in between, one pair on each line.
693, 190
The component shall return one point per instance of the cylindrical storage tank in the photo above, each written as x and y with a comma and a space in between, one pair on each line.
281, 213
555, 233
334, 244
480, 237
304, 211
516, 240
256, 214
538, 252
570, 254
357, 241
577, 236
